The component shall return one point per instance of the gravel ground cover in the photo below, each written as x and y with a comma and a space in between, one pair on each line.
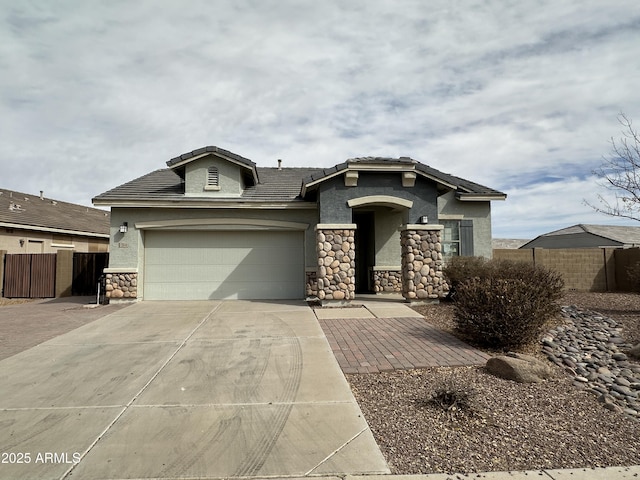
503, 425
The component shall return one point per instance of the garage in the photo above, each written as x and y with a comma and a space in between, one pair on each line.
218, 264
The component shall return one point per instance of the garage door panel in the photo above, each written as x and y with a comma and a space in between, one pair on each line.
218, 265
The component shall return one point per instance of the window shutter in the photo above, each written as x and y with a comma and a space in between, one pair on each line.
466, 238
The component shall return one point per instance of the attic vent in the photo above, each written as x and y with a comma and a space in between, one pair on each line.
212, 177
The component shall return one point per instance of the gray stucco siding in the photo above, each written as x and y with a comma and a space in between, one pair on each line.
229, 178
127, 250
334, 195
387, 241
478, 212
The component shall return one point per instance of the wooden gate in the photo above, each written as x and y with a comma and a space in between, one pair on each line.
87, 268
30, 275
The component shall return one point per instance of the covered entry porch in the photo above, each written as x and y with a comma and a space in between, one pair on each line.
379, 252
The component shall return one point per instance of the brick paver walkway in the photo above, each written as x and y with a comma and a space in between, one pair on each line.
370, 345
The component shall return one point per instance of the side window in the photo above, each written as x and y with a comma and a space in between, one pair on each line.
450, 238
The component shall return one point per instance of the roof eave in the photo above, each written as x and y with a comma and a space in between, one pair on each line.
373, 167
480, 197
53, 230
195, 202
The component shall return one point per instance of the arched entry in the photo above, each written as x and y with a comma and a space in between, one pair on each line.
377, 239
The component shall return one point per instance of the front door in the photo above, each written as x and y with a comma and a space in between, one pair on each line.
365, 249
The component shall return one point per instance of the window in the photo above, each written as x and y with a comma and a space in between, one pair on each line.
450, 238
457, 238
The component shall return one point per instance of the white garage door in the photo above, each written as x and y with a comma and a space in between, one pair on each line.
199, 265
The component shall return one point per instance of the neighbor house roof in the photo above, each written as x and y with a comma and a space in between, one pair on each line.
33, 212
278, 184
604, 235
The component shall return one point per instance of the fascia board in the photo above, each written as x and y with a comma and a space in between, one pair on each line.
35, 228
182, 203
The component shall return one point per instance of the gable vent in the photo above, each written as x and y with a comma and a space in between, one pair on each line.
212, 176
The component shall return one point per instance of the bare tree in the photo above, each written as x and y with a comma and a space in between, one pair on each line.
620, 173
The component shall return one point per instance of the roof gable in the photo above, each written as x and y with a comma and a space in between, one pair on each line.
178, 163
465, 189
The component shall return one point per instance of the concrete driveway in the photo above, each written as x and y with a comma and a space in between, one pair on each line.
183, 390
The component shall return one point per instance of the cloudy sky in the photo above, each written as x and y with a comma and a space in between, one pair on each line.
522, 96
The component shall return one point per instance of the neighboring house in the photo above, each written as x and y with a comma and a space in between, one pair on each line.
588, 236
35, 224
213, 225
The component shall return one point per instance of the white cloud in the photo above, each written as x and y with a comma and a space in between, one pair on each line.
500, 93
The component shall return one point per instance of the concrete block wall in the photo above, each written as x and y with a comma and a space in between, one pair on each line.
583, 269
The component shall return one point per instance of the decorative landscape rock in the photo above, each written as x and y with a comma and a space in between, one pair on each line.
589, 347
519, 368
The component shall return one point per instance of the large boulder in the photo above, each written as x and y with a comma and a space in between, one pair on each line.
519, 368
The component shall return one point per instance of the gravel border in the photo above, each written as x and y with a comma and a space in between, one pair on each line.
509, 426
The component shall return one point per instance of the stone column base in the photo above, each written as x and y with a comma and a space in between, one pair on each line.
122, 284
336, 262
422, 265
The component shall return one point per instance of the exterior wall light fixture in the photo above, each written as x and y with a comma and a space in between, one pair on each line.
124, 227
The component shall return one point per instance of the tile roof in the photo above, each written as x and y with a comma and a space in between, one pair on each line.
279, 185
275, 184
623, 234
463, 186
18, 208
211, 149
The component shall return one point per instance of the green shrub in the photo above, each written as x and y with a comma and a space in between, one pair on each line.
506, 304
459, 269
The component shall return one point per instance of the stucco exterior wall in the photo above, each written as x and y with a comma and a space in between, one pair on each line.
47, 242
334, 195
387, 226
229, 178
450, 208
127, 249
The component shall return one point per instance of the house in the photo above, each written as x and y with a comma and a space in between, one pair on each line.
213, 225
35, 224
588, 236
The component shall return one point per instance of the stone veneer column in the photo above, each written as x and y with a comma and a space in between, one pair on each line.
422, 277
122, 284
336, 277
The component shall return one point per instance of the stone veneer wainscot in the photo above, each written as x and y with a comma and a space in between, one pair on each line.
121, 284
